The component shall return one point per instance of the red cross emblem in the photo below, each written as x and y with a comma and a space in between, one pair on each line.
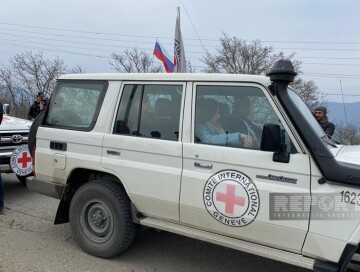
230, 199
24, 160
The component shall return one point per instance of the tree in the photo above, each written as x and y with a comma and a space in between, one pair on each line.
35, 73
78, 69
346, 134
236, 56
27, 74
134, 61
309, 93
10, 93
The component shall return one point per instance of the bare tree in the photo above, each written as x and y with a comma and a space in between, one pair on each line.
26, 75
347, 134
189, 67
35, 73
134, 61
12, 94
236, 56
78, 69
308, 92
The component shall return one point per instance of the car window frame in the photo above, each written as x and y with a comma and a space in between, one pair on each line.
146, 82
60, 82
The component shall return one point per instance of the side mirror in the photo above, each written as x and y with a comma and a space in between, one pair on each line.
6, 108
271, 138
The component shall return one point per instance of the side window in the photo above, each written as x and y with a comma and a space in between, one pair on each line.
149, 110
233, 116
75, 105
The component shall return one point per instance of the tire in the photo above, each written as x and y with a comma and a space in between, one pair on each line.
354, 264
33, 130
100, 219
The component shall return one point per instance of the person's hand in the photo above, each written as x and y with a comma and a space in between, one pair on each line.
247, 140
41, 105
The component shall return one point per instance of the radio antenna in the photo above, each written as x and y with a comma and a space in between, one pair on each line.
342, 95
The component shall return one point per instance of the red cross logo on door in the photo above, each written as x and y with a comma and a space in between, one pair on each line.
230, 199
24, 160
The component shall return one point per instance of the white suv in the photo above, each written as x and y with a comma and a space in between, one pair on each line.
14, 154
158, 150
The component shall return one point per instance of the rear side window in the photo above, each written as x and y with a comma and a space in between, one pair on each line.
150, 111
75, 105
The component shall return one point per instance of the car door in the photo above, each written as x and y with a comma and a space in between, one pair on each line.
231, 189
144, 148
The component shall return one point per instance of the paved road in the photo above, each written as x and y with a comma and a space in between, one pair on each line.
30, 242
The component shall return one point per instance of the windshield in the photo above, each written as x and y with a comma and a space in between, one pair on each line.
309, 116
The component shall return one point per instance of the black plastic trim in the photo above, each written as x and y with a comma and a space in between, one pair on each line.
331, 169
58, 145
45, 187
341, 266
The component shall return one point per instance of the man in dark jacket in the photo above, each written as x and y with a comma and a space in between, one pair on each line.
320, 115
238, 121
37, 107
1, 182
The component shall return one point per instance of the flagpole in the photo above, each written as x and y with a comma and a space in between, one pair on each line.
179, 52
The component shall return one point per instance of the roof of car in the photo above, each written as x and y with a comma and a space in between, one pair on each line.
169, 77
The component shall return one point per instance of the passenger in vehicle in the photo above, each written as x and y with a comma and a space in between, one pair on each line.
209, 129
164, 122
147, 120
238, 121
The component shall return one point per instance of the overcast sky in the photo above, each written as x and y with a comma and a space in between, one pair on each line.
324, 34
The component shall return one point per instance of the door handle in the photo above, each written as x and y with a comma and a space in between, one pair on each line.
58, 146
203, 165
113, 152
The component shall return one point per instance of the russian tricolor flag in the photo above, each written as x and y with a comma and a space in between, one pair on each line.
163, 55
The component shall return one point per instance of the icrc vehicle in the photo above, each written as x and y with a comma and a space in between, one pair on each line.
128, 150
13, 146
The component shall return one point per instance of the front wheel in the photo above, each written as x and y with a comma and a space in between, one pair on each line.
100, 219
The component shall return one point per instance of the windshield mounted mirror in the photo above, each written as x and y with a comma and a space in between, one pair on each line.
6, 108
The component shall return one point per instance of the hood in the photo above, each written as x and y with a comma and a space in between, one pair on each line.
336, 150
349, 154
13, 123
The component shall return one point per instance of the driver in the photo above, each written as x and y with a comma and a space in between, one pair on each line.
238, 121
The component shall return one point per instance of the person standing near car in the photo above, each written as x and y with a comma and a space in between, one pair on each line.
1, 181
327, 126
38, 106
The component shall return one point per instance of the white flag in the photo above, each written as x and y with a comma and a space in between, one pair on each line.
179, 52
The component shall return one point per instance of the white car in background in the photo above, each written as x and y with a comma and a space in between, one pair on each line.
14, 154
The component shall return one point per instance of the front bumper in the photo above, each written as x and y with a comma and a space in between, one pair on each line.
45, 187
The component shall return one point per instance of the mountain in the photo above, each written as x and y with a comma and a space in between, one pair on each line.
336, 113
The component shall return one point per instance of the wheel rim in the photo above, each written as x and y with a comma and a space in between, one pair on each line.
97, 220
